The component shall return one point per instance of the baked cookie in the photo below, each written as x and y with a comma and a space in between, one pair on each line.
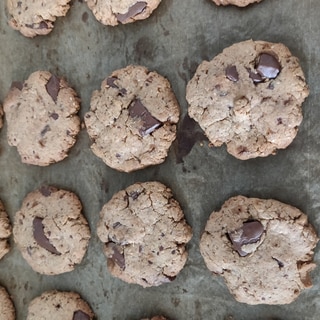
249, 97
5, 231
262, 248
7, 310
132, 120
114, 12
1, 115
239, 3
144, 234
50, 230
59, 305
41, 118
35, 17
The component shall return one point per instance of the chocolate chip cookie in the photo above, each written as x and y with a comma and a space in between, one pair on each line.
114, 12
42, 119
144, 234
35, 17
5, 231
239, 3
262, 248
50, 230
7, 310
132, 120
59, 305
249, 97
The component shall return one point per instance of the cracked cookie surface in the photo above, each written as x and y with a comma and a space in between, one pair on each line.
5, 231
132, 119
114, 12
239, 3
249, 97
34, 18
7, 310
50, 230
42, 119
262, 248
144, 234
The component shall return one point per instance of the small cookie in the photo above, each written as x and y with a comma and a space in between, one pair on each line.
239, 3
133, 119
7, 310
262, 248
5, 231
41, 118
50, 230
144, 234
249, 97
59, 305
114, 12
35, 17
1, 116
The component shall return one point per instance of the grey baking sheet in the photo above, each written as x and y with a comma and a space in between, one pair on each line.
173, 41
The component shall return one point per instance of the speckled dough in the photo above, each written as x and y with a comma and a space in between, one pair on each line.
113, 12
276, 267
1, 116
42, 125
116, 135
239, 3
5, 231
63, 225
252, 119
59, 305
35, 17
144, 234
7, 310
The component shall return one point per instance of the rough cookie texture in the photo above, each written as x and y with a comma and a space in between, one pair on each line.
41, 118
59, 305
239, 3
1, 115
267, 266
50, 230
144, 234
133, 119
249, 97
114, 12
33, 18
5, 231
7, 310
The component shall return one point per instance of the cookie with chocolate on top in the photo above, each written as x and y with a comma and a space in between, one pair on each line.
262, 248
238, 3
249, 97
7, 310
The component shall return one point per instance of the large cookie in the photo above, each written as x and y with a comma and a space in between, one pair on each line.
50, 230
114, 12
35, 17
144, 234
1, 116
7, 310
59, 305
42, 119
5, 231
262, 248
249, 97
133, 119
239, 3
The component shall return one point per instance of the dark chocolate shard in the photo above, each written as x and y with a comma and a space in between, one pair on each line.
280, 264
17, 84
134, 10
268, 66
45, 191
232, 73
53, 87
80, 315
256, 77
40, 237
117, 256
111, 82
43, 25
45, 130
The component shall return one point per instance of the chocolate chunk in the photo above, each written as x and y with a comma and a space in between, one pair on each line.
17, 84
110, 82
134, 195
249, 233
149, 123
232, 73
53, 87
45, 191
40, 237
43, 25
80, 315
54, 116
268, 66
256, 77
45, 130
132, 12
117, 256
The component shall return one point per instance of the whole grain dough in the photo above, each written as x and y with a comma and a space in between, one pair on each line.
262, 248
50, 230
5, 231
59, 305
239, 3
132, 119
249, 97
114, 12
7, 310
144, 234
35, 17
42, 119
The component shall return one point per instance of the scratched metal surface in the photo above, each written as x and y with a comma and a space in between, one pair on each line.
178, 36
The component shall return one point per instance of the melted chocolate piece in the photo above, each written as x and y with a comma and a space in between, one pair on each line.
117, 256
17, 84
40, 237
53, 87
132, 12
256, 77
250, 232
232, 73
149, 123
110, 82
80, 315
268, 66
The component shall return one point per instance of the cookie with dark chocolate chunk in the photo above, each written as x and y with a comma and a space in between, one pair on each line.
5, 231
7, 310
238, 3
262, 248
